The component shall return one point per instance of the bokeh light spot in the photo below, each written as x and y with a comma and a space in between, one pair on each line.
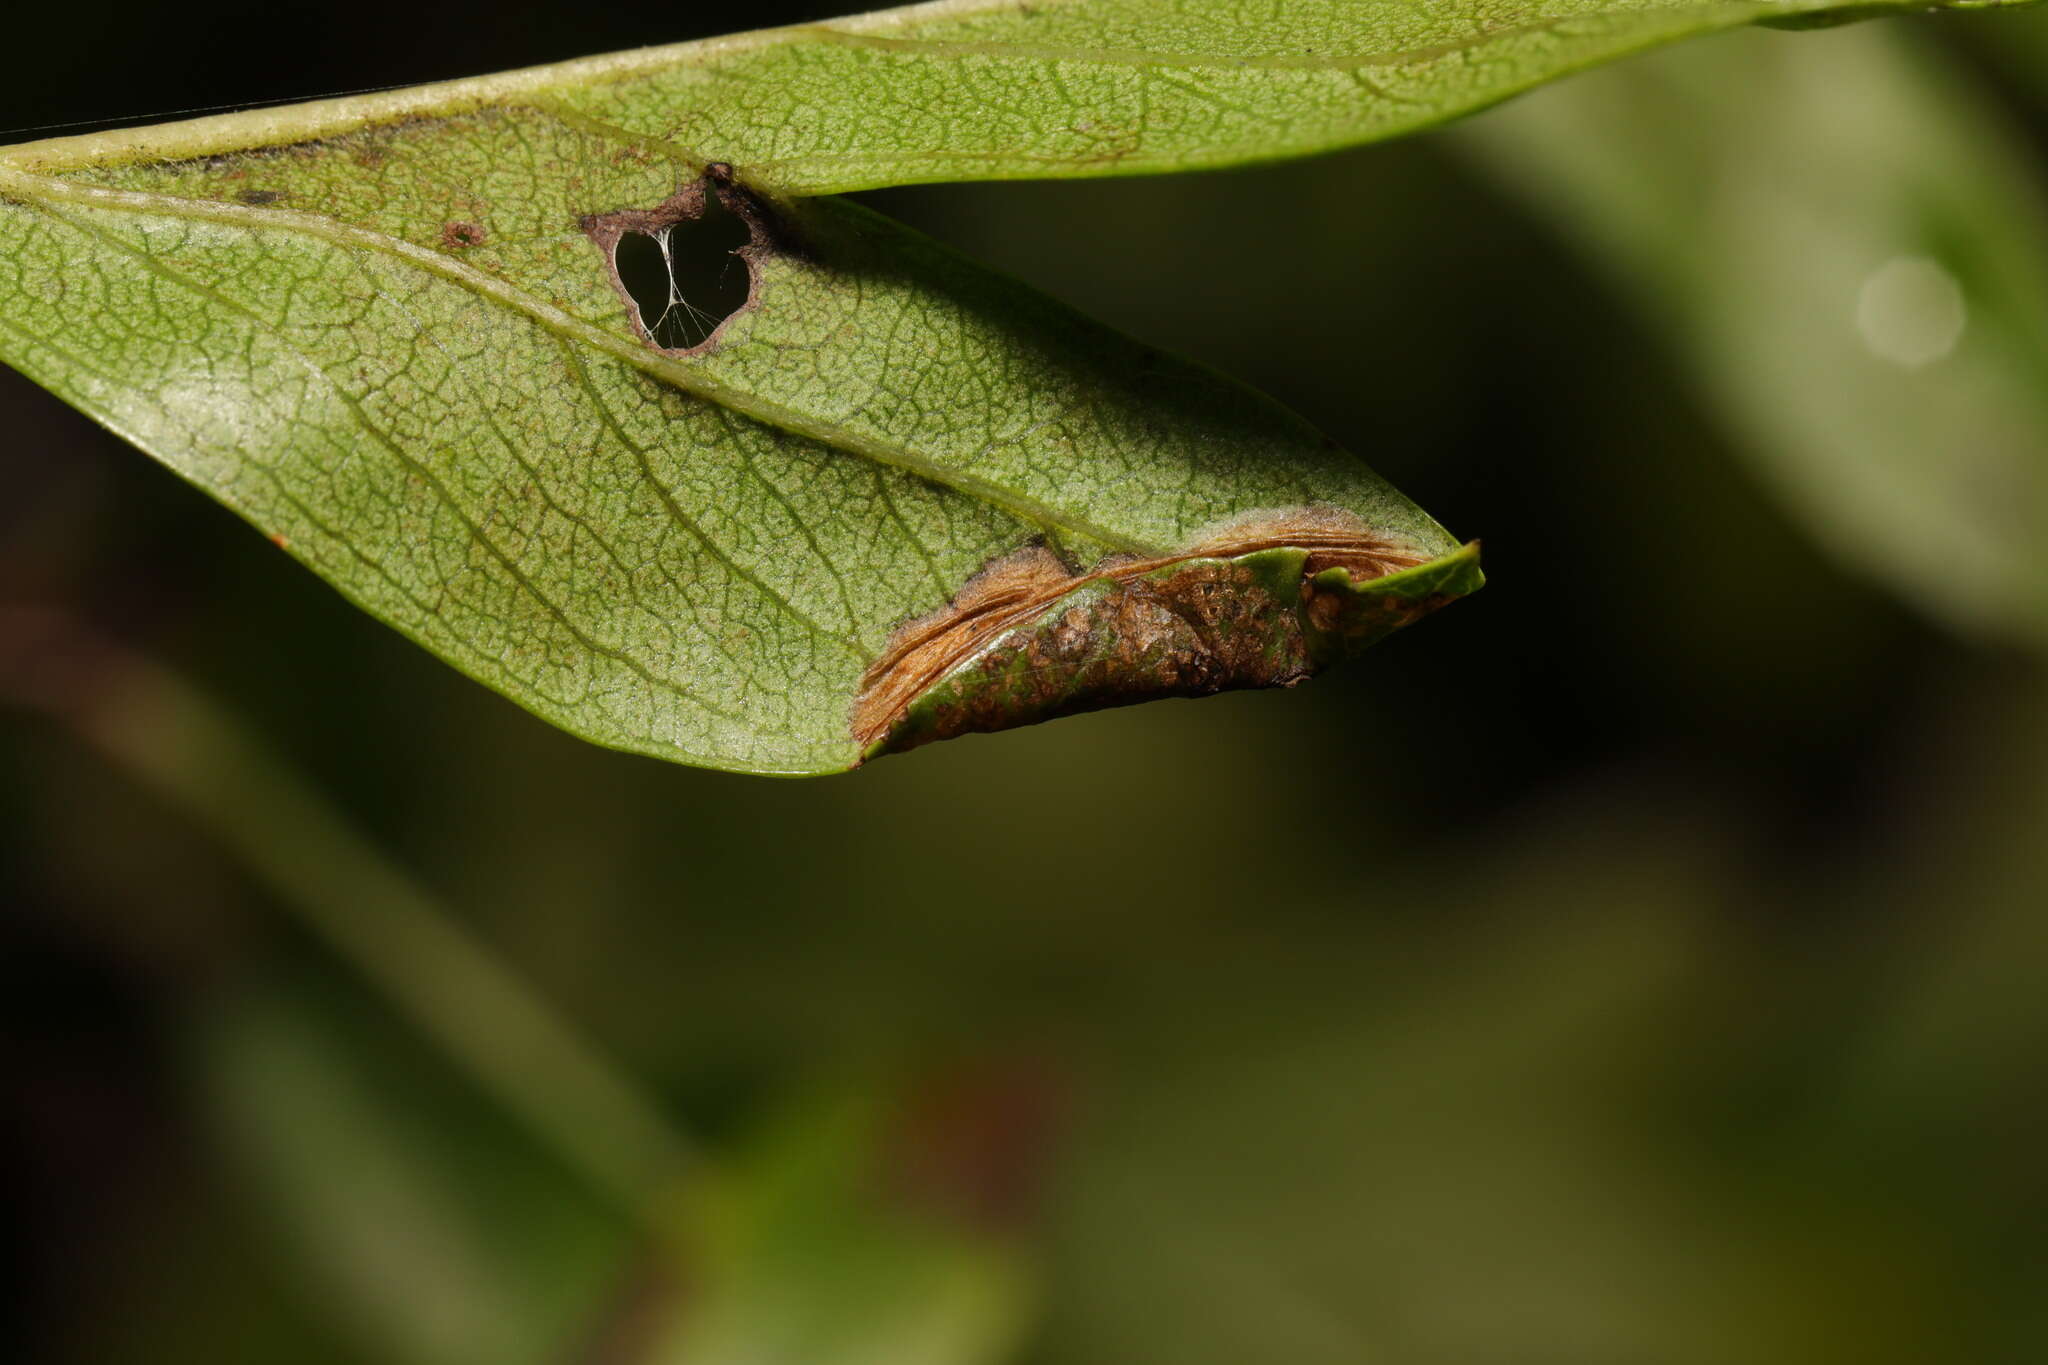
1910, 311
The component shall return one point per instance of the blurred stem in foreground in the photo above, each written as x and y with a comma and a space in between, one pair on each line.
162, 731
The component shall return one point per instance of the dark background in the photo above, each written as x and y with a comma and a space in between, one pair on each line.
1625, 964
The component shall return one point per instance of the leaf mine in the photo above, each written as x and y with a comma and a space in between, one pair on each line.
1266, 601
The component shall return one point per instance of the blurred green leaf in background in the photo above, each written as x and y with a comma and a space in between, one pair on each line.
1647, 961
1860, 295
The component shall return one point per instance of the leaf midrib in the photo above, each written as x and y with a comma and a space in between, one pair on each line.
28, 188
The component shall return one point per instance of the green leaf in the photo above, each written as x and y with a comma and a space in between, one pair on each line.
1850, 252
702, 557
892, 497
1012, 89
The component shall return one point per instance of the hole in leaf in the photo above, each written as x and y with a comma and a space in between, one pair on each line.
684, 277
643, 270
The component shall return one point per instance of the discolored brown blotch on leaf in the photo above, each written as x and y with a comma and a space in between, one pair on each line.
456, 236
1183, 625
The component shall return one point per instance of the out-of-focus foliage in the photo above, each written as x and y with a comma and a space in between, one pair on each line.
1848, 250
432, 1232
1646, 965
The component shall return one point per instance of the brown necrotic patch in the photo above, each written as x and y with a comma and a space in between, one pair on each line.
457, 236
1030, 637
689, 265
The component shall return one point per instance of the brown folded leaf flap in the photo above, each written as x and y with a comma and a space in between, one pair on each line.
1028, 638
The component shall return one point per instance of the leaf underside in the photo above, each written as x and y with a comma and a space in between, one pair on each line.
388, 331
